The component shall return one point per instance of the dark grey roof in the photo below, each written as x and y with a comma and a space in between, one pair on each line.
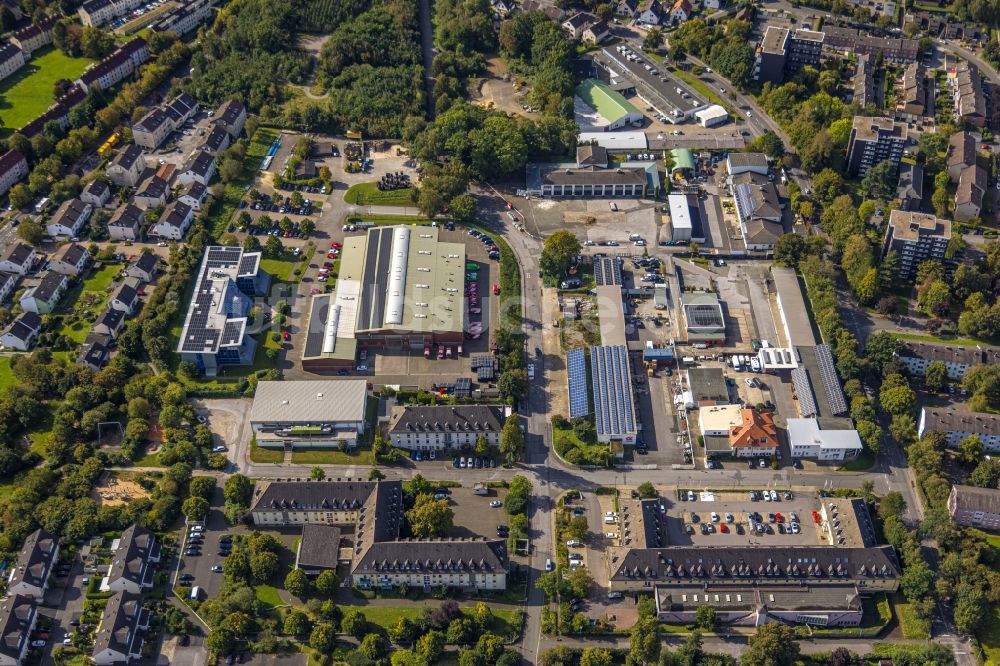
319, 547
229, 112
911, 181
708, 384
111, 318
120, 624
128, 216
95, 350
822, 598
336, 495
147, 262
16, 615
8, 51
971, 498
19, 254
153, 120
135, 548
775, 564
51, 282
215, 139
445, 418
195, 190
176, 214
438, 555
180, 106
97, 187
593, 176
200, 163
960, 354
36, 559
113, 61
153, 187
127, 158
978, 423
25, 326
72, 254
70, 212
126, 294
591, 155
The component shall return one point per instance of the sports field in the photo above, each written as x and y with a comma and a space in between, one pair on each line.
26, 94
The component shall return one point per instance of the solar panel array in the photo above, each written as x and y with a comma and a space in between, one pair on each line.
248, 264
704, 315
612, 391
198, 336
831, 382
375, 280
463, 387
579, 399
608, 271
485, 366
804, 392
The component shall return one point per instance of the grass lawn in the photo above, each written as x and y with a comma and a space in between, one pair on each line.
701, 88
359, 455
912, 626
989, 635
261, 455
965, 342
268, 595
384, 220
864, 461
223, 208
279, 269
387, 616
577, 452
6, 374
88, 300
26, 94
368, 194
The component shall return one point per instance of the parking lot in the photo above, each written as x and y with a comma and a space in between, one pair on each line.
474, 515
197, 570
723, 519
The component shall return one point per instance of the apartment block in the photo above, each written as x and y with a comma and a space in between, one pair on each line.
873, 140
915, 237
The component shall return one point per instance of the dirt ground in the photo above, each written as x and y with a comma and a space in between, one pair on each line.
112, 490
555, 360
498, 89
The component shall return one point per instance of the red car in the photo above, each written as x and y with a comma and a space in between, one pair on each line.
779, 517
286, 335
723, 528
335, 245
496, 289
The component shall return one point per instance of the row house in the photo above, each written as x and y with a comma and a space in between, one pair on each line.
35, 36
116, 67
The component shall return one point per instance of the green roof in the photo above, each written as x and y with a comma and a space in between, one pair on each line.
682, 159
604, 100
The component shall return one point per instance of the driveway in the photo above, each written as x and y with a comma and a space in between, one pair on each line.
228, 418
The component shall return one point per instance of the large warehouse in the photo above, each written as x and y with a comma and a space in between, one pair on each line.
599, 108
399, 288
309, 414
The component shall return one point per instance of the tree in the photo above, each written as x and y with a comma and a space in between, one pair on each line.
463, 207
557, 253
20, 196
580, 582
774, 644
323, 638
403, 631
317, 474
705, 618
518, 492
431, 646
644, 641
789, 250
195, 508
296, 623
841, 657
327, 583
31, 232
880, 180
461, 631
970, 450
372, 647
238, 490
273, 249
986, 474
512, 385
647, 490
263, 565
430, 517
220, 641
936, 376
297, 583
407, 658
354, 623
653, 40
971, 608
596, 657
903, 428
512, 439
898, 400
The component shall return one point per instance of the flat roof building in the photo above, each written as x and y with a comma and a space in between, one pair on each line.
807, 440
309, 414
874, 140
598, 107
704, 322
915, 237
613, 401
795, 316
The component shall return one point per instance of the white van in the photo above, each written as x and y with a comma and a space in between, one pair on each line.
548, 565
195, 593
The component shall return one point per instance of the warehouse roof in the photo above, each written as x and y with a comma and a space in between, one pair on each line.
613, 402
611, 105
322, 401
792, 305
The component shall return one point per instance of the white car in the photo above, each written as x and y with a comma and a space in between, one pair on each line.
590, 243
573, 543
161, 244
531, 371
219, 449
749, 382
749, 115
721, 89
496, 504
715, 517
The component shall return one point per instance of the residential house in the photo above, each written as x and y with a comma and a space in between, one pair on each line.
70, 260
152, 129
11, 59
873, 140
864, 82
173, 222
910, 188
126, 168
215, 141
501, 8
193, 195
44, 297
98, 12
231, 115
653, 13
182, 19
440, 428
13, 168
95, 351
967, 91
145, 266
96, 193
151, 193
714, 4
756, 436
961, 154
971, 506
957, 425
126, 223
119, 636
8, 282
199, 167
681, 11
916, 357
29, 577
913, 93
18, 615
628, 8
915, 237
117, 66
124, 299
69, 219
22, 333
57, 113
19, 260
575, 24
132, 566
596, 32
110, 323
758, 210
35, 36
970, 193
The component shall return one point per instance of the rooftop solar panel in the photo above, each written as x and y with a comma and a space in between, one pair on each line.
579, 399
830, 380
704, 315
215, 314
613, 404
804, 392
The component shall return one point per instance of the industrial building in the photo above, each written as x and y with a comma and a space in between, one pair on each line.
614, 404
686, 219
599, 108
807, 439
215, 327
758, 209
795, 317
399, 288
309, 414
593, 175
704, 322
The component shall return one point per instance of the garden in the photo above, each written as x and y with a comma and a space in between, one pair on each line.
30, 91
